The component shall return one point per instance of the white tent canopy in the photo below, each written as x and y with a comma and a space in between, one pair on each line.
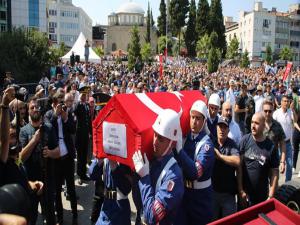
78, 49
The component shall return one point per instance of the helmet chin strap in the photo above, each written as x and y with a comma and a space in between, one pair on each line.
167, 149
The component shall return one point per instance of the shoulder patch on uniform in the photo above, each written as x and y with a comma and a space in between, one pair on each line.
170, 186
206, 147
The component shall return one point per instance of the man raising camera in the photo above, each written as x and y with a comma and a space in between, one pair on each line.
39, 145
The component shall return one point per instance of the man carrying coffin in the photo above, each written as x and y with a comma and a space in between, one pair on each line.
161, 183
196, 158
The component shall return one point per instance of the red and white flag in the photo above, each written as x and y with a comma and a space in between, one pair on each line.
287, 70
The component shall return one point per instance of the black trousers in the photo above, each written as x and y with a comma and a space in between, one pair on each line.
82, 145
296, 142
64, 170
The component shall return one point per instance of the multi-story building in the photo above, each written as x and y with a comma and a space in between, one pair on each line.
23, 13
99, 32
259, 28
66, 21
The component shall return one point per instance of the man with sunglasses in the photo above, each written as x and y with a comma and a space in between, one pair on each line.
273, 130
286, 116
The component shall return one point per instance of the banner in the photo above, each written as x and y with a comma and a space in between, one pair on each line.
160, 65
287, 70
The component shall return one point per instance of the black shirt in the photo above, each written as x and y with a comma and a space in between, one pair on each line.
275, 133
223, 178
241, 102
259, 158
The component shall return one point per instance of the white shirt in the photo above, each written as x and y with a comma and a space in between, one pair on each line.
258, 99
235, 132
62, 145
230, 96
286, 121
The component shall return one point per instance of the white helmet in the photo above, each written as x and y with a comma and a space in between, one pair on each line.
167, 124
200, 107
214, 100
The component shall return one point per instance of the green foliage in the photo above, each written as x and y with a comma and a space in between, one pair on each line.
57, 52
233, 49
268, 56
134, 51
286, 54
190, 34
213, 39
202, 25
162, 19
25, 53
214, 58
203, 46
245, 60
178, 12
146, 53
118, 60
162, 45
216, 24
99, 51
148, 37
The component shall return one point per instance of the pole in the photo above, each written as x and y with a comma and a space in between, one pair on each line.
166, 51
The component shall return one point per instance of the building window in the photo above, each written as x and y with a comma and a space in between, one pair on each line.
294, 44
3, 27
53, 37
267, 32
52, 24
33, 7
3, 3
266, 23
68, 38
2, 15
52, 12
114, 47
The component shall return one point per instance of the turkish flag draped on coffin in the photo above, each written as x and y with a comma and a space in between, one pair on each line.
124, 125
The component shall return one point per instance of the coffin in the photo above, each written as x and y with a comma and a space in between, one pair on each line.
124, 125
268, 212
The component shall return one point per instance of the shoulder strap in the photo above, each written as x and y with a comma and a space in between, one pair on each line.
200, 144
169, 164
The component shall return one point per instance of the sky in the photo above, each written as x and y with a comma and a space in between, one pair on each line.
98, 10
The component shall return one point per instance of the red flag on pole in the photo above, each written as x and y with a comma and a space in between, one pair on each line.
160, 65
287, 70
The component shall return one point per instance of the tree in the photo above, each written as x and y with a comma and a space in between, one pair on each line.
162, 19
213, 60
190, 34
178, 13
216, 24
245, 60
134, 51
286, 54
148, 37
162, 45
25, 53
146, 52
203, 46
233, 49
268, 56
202, 25
57, 52
99, 51
152, 20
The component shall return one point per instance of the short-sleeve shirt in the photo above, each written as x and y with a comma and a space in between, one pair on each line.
259, 158
224, 179
241, 102
275, 133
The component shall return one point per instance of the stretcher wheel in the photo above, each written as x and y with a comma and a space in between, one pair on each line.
289, 194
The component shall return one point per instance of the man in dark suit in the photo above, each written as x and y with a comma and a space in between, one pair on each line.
64, 126
83, 131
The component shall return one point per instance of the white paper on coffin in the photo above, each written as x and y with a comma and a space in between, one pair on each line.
114, 139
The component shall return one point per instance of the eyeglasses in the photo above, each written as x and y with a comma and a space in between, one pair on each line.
268, 111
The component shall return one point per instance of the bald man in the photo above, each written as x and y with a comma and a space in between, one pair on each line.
259, 163
234, 129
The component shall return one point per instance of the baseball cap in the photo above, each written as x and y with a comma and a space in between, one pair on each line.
223, 120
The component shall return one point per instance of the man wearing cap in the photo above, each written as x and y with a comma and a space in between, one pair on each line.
161, 183
212, 117
196, 158
230, 93
258, 99
223, 179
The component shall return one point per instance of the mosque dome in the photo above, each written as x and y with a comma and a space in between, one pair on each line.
131, 7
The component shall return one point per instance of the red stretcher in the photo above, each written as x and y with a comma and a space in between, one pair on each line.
270, 212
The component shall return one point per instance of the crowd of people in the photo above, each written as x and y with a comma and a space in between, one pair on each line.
240, 141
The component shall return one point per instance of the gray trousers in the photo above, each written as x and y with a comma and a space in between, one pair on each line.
224, 205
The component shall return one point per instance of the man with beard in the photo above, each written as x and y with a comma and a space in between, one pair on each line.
258, 173
39, 145
234, 129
